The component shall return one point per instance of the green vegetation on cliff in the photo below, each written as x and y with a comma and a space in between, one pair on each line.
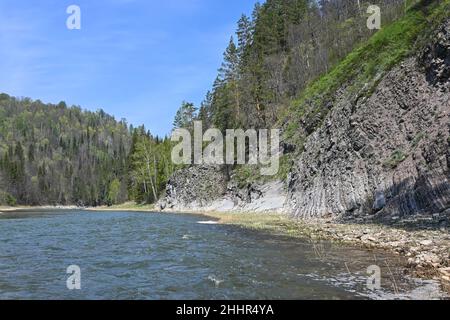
363, 67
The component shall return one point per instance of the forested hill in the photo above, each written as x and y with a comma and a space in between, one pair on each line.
52, 154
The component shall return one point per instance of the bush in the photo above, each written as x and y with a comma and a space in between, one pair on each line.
10, 200
417, 139
7, 199
396, 158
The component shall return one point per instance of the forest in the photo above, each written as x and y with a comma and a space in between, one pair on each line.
55, 154
278, 51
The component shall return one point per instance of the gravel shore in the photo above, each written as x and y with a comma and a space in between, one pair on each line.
428, 251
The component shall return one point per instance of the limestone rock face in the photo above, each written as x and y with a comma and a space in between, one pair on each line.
206, 188
387, 154
195, 186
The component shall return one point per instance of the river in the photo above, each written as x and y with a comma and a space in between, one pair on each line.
132, 255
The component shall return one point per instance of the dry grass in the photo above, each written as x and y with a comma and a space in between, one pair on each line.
274, 223
128, 206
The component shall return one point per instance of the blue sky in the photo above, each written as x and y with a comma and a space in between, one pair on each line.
136, 59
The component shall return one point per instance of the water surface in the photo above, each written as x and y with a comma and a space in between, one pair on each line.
125, 255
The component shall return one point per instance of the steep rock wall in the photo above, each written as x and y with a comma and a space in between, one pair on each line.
387, 155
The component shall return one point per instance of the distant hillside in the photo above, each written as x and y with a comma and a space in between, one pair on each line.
52, 154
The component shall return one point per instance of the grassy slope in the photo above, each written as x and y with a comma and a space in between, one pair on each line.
369, 62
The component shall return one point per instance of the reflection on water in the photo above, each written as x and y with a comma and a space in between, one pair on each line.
157, 256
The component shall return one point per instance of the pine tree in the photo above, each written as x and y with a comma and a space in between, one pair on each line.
229, 70
230, 90
204, 113
244, 34
185, 116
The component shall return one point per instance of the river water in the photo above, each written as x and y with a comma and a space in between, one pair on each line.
123, 255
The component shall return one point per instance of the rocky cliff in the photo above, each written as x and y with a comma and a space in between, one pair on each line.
380, 155
210, 189
387, 154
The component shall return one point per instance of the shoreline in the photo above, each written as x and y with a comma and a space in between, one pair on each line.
427, 251
19, 208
